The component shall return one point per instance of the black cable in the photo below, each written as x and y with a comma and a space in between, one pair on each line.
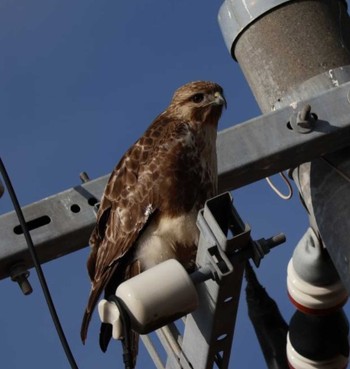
127, 358
37, 266
269, 325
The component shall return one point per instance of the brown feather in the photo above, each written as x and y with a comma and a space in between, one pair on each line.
165, 177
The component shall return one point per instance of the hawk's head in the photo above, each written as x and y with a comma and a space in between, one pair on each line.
199, 101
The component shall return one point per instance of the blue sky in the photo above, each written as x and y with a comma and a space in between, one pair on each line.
80, 82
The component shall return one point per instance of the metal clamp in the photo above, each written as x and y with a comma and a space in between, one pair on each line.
227, 239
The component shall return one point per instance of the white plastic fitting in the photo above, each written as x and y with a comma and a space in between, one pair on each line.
297, 361
152, 299
109, 313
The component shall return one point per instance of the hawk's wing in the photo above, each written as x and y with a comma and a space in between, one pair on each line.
131, 196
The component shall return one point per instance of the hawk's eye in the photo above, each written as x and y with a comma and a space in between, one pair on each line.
197, 98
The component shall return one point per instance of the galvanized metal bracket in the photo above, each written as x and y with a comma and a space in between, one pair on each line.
59, 224
224, 247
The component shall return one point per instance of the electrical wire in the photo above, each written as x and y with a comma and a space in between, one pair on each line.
277, 191
1, 189
37, 266
126, 340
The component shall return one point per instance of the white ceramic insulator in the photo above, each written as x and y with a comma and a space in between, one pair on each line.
158, 296
313, 297
109, 313
297, 361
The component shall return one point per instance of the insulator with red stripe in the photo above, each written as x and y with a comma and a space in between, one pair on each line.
318, 331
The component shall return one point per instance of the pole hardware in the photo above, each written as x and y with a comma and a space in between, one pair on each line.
225, 245
303, 121
237, 246
219, 265
20, 274
263, 246
84, 177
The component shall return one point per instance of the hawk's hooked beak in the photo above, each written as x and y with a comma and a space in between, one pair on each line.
219, 99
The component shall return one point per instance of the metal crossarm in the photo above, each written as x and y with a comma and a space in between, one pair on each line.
267, 144
59, 224
247, 152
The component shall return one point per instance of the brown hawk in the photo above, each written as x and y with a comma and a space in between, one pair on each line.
149, 207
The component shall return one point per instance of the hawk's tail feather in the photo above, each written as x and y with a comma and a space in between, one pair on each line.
93, 298
85, 326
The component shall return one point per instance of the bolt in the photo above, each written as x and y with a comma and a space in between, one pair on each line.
304, 121
304, 114
20, 274
84, 177
263, 246
276, 240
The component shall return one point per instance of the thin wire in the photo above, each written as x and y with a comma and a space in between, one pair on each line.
37, 266
277, 191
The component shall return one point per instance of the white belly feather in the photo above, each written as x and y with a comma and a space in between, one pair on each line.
158, 242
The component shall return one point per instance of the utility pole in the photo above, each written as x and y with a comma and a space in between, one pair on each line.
293, 52
290, 51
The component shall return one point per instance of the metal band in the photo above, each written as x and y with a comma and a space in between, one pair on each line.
235, 15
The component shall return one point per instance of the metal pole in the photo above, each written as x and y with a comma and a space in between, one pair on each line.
290, 51
285, 43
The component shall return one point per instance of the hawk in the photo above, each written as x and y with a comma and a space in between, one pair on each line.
149, 207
